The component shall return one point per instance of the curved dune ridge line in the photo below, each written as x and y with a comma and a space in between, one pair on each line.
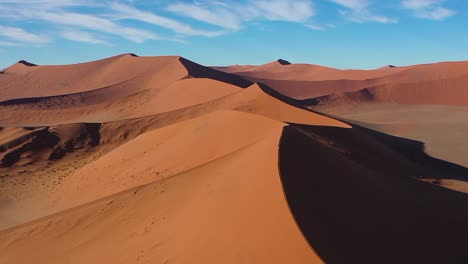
228, 209
253, 100
104, 136
107, 106
116, 88
192, 94
165, 152
137, 73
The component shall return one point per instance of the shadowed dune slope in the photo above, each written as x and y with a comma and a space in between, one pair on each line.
198, 71
361, 203
442, 128
221, 211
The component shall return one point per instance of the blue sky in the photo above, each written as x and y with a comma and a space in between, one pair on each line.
338, 33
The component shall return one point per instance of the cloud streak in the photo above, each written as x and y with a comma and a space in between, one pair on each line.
97, 22
359, 11
124, 12
82, 36
232, 15
428, 9
18, 35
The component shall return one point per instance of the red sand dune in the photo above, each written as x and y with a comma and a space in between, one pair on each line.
227, 194
283, 70
161, 160
440, 83
107, 106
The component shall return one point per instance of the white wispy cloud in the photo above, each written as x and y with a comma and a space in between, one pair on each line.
294, 10
319, 27
129, 12
231, 15
19, 35
428, 9
49, 3
353, 4
83, 36
217, 15
55, 13
95, 23
360, 11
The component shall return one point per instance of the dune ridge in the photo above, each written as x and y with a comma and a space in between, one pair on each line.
162, 160
438, 83
178, 225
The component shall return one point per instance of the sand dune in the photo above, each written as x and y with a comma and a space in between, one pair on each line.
284, 70
162, 160
176, 148
40, 81
402, 101
120, 87
254, 99
439, 83
231, 200
105, 105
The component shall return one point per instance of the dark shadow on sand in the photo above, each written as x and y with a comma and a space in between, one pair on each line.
199, 71
354, 196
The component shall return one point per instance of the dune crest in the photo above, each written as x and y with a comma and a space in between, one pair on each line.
135, 159
177, 218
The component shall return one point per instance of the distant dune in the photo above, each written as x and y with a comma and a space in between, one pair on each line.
423, 102
162, 160
440, 83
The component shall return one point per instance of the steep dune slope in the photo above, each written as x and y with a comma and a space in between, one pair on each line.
220, 212
176, 148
